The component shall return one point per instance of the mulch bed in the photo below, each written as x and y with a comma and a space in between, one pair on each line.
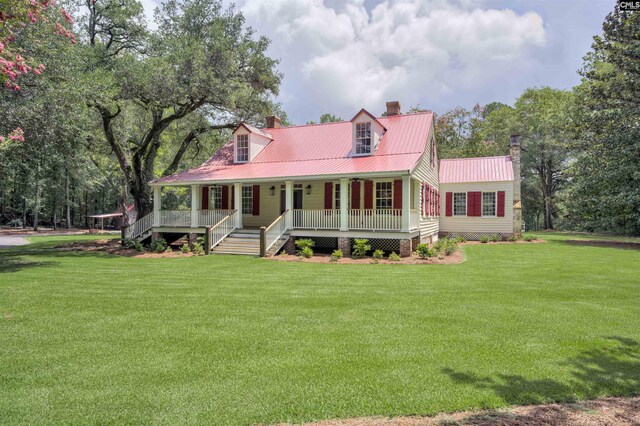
413, 260
598, 412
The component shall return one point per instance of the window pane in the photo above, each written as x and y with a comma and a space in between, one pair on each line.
488, 204
247, 200
384, 195
216, 197
460, 204
242, 148
363, 138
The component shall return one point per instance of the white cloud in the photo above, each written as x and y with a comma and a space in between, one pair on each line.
346, 57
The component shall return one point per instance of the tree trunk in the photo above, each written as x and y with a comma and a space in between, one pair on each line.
86, 209
68, 203
36, 208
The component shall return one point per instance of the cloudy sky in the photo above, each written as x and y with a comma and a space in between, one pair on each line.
340, 55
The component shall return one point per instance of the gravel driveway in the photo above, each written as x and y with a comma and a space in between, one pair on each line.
12, 240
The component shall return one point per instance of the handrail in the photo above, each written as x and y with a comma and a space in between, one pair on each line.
272, 233
139, 227
222, 229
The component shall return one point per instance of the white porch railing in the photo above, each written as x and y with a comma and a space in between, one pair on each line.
223, 228
316, 219
139, 227
175, 217
273, 232
370, 219
211, 217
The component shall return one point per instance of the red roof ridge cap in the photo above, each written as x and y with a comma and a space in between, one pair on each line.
475, 158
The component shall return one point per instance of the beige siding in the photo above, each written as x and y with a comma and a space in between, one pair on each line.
503, 225
425, 172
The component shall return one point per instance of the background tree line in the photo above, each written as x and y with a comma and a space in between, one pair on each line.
128, 103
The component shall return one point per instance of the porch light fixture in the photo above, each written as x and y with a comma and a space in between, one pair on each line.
308, 189
272, 190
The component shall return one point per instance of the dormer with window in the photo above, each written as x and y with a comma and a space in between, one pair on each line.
248, 142
366, 133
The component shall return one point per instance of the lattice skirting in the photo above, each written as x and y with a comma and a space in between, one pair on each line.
323, 242
385, 244
474, 236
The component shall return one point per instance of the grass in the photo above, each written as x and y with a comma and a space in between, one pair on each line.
96, 339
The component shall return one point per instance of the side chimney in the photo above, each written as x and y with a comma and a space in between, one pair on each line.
514, 151
393, 108
273, 121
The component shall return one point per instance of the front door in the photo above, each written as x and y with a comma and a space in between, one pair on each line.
297, 198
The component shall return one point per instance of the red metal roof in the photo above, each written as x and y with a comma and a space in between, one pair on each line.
318, 149
484, 169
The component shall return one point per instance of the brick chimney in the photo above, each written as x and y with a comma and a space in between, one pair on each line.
514, 151
393, 108
273, 121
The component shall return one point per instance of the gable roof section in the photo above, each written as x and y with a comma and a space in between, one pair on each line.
484, 169
373, 117
318, 149
252, 129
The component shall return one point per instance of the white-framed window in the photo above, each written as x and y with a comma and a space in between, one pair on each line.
363, 138
489, 204
242, 148
459, 203
384, 195
336, 197
247, 200
215, 192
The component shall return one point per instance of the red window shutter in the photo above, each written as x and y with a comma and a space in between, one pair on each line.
433, 201
328, 195
500, 203
474, 203
368, 194
470, 199
448, 203
422, 212
204, 203
355, 195
256, 201
427, 204
225, 197
438, 203
397, 194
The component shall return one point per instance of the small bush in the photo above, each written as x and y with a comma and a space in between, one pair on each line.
394, 257
198, 249
378, 254
138, 246
495, 238
159, 245
529, 237
513, 238
424, 251
361, 247
303, 243
336, 255
450, 248
168, 250
185, 249
129, 243
306, 252
461, 239
484, 239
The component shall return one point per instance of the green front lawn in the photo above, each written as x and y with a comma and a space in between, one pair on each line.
96, 339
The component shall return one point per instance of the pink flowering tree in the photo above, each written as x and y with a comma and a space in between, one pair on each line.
15, 15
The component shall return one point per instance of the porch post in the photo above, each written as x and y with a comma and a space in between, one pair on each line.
237, 202
157, 205
195, 205
288, 203
406, 202
344, 202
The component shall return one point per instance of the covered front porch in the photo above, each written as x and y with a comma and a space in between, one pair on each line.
383, 204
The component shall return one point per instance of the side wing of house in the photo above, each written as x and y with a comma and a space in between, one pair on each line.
425, 186
474, 209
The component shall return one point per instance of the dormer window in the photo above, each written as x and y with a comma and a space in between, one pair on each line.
363, 138
242, 148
